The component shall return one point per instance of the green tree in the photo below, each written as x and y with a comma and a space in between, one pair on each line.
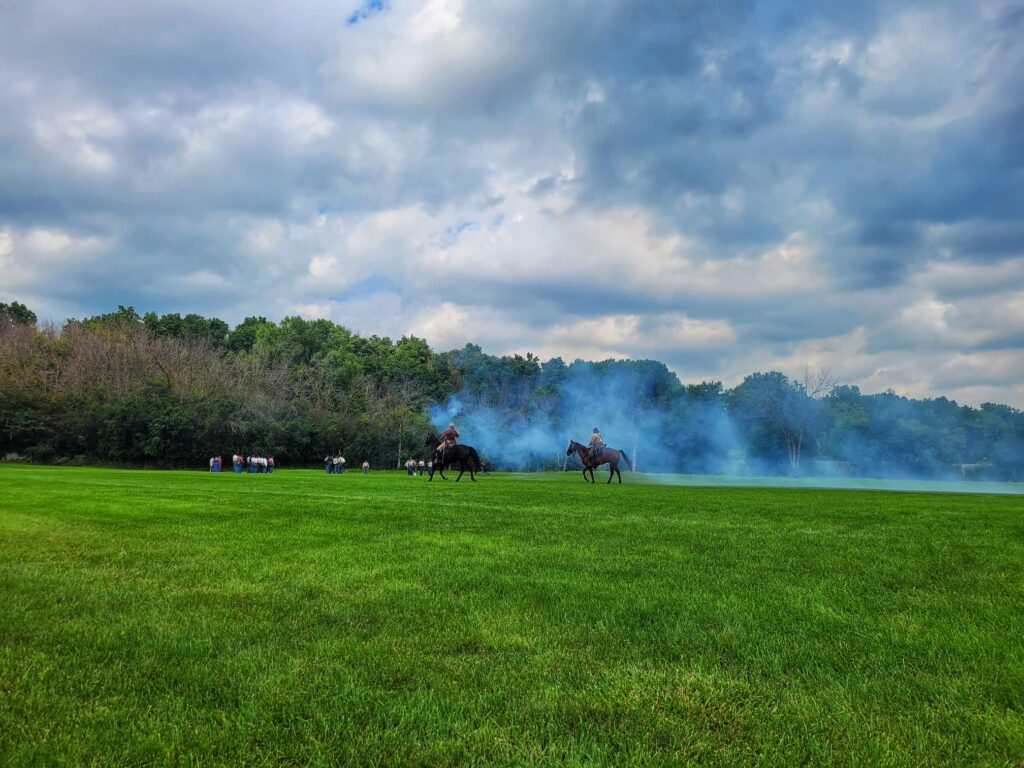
17, 313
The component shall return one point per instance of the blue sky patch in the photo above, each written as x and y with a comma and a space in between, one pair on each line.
365, 11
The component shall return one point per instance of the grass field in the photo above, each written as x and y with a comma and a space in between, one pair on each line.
180, 618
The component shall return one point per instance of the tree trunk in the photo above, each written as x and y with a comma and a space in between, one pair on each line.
572, 427
399, 465
794, 442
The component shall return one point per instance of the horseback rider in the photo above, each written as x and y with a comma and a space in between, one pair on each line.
448, 438
596, 447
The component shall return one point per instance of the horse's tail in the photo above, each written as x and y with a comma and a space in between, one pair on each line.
629, 464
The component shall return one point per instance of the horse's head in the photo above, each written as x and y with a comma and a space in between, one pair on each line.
572, 447
431, 439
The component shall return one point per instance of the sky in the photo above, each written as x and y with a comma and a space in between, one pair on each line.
724, 186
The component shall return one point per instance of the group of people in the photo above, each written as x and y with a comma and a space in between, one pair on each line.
255, 464
413, 467
240, 463
335, 465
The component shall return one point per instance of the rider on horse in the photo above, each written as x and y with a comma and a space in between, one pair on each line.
596, 447
447, 438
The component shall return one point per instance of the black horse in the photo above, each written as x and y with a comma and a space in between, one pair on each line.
610, 456
463, 455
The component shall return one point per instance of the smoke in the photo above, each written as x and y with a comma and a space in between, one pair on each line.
837, 482
525, 422
521, 415
504, 440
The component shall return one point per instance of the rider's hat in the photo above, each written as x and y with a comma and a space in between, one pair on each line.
596, 429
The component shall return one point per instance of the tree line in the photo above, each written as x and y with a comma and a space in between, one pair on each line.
169, 391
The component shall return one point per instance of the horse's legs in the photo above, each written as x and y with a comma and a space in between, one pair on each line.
462, 471
611, 472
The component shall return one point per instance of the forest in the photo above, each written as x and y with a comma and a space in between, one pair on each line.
124, 389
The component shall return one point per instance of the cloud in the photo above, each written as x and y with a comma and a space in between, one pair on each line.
723, 186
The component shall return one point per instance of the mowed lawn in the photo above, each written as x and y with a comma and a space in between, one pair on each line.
293, 619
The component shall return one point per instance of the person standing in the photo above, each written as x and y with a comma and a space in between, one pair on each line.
366, 467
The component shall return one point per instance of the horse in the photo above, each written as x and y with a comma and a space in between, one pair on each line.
610, 456
463, 455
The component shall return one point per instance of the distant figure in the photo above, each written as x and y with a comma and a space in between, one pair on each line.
410, 467
609, 456
328, 464
421, 467
366, 467
270, 464
596, 447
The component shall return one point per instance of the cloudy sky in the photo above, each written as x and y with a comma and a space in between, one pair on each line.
726, 186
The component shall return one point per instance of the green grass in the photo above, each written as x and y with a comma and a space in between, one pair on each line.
188, 618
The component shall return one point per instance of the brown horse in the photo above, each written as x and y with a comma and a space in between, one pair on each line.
610, 456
